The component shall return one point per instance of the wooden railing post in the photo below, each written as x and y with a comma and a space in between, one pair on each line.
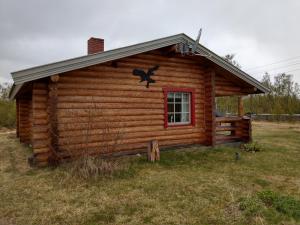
240, 106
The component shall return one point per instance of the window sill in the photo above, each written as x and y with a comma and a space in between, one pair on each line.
179, 125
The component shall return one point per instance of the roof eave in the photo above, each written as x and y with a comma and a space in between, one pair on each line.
14, 91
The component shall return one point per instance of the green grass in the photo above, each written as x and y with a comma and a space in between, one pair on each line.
188, 186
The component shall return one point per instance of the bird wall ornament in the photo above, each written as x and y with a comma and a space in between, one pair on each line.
145, 76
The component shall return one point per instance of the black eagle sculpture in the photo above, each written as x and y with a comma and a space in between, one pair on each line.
145, 76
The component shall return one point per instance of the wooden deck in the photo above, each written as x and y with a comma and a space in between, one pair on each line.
233, 129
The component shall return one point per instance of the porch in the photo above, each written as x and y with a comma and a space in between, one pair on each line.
232, 129
229, 129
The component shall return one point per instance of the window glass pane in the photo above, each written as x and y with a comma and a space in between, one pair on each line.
185, 107
178, 96
185, 117
170, 118
171, 108
185, 97
177, 117
171, 97
178, 107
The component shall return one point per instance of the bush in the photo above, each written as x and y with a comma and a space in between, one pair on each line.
7, 114
252, 147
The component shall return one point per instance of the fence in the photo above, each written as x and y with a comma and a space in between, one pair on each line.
276, 117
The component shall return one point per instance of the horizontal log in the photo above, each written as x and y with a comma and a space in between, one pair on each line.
128, 85
83, 126
99, 99
128, 141
41, 150
127, 137
97, 107
40, 121
129, 79
42, 143
130, 148
158, 56
170, 66
126, 132
40, 135
125, 75
39, 128
115, 119
40, 92
109, 112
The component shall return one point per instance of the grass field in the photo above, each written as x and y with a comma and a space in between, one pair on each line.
190, 186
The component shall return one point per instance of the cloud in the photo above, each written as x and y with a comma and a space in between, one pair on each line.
35, 32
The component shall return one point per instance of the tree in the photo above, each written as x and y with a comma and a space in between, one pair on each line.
230, 58
4, 91
283, 97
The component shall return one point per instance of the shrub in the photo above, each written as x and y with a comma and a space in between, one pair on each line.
7, 114
91, 168
252, 147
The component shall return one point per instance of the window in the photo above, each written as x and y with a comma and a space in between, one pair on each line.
179, 106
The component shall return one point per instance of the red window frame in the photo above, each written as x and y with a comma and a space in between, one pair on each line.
166, 90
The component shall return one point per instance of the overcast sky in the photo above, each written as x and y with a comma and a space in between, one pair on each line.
259, 32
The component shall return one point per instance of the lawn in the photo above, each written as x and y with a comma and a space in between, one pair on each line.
188, 186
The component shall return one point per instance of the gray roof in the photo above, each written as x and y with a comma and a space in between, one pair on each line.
23, 76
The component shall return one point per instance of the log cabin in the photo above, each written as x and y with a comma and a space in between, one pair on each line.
115, 102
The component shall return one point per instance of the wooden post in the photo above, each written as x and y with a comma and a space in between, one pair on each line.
153, 153
210, 108
240, 106
52, 115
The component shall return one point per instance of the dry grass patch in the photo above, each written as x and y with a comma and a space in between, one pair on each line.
191, 186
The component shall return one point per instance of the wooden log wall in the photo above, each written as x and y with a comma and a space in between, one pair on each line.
40, 126
226, 87
106, 108
24, 110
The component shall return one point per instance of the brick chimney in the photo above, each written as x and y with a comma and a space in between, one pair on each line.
95, 45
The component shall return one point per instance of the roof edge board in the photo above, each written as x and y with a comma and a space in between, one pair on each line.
97, 55
14, 90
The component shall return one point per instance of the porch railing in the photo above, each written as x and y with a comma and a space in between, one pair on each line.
233, 129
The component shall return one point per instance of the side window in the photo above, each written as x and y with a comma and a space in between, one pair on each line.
179, 106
